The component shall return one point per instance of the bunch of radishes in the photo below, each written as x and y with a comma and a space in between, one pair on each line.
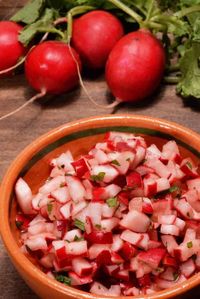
134, 63
122, 219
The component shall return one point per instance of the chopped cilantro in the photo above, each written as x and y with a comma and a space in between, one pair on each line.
76, 238
174, 188
159, 270
62, 185
115, 162
98, 226
99, 177
63, 279
175, 275
112, 202
78, 223
189, 164
49, 208
189, 244
19, 224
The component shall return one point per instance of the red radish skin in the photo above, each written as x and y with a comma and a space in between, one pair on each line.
50, 67
94, 36
11, 49
135, 66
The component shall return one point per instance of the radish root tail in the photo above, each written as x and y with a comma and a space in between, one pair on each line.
33, 99
110, 106
13, 67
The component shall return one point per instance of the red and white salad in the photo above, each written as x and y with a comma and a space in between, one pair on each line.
124, 219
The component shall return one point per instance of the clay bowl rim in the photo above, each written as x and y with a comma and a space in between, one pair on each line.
13, 171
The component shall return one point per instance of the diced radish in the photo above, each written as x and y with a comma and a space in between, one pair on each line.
193, 198
170, 243
81, 266
179, 223
170, 151
144, 170
144, 242
108, 224
170, 261
186, 249
99, 237
109, 172
98, 289
96, 249
36, 200
153, 152
111, 269
131, 237
65, 210
36, 243
139, 156
132, 292
169, 229
76, 280
36, 220
166, 219
169, 274
134, 180
183, 207
56, 171
144, 281
187, 268
52, 185
159, 168
95, 212
47, 260
76, 190
64, 161
136, 221
88, 189
107, 211
187, 166
150, 186
24, 196
117, 243
152, 257
162, 184
122, 161
61, 195
76, 248
72, 234
165, 284
80, 167
77, 208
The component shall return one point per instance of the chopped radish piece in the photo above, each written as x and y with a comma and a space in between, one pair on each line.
169, 229
105, 173
61, 195
136, 221
24, 196
76, 189
152, 257
131, 237
71, 235
187, 268
76, 280
52, 185
81, 266
166, 219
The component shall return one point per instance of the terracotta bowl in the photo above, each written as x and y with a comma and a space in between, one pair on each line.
79, 136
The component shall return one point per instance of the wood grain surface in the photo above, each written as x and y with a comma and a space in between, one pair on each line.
19, 130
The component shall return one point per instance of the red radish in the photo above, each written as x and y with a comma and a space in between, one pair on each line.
94, 35
50, 67
135, 66
11, 49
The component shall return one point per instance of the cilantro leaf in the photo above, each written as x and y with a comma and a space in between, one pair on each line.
30, 12
189, 164
76, 238
189, 244
174, 188
189, 85
98, 177
112, 202
115, 162
63, 279
49, 207
78, 223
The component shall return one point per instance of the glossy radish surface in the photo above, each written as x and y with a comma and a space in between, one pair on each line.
50, 67
123, 219
94, 36
135, 66
11, 50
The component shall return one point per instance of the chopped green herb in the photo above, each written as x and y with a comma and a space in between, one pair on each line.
112, 202
49, 208
175, 275
78, 223
174, 188
98, 226
19, 224
115, 162
76, 238
189, 244
99, 177
159, 270
63, 279
189, 164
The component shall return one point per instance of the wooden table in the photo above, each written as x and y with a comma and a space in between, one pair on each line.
19, 130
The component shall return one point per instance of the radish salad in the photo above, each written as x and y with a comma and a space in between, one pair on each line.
124, 219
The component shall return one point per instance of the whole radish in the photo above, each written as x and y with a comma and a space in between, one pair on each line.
51, 67
135, 66
11, 50
94, 36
